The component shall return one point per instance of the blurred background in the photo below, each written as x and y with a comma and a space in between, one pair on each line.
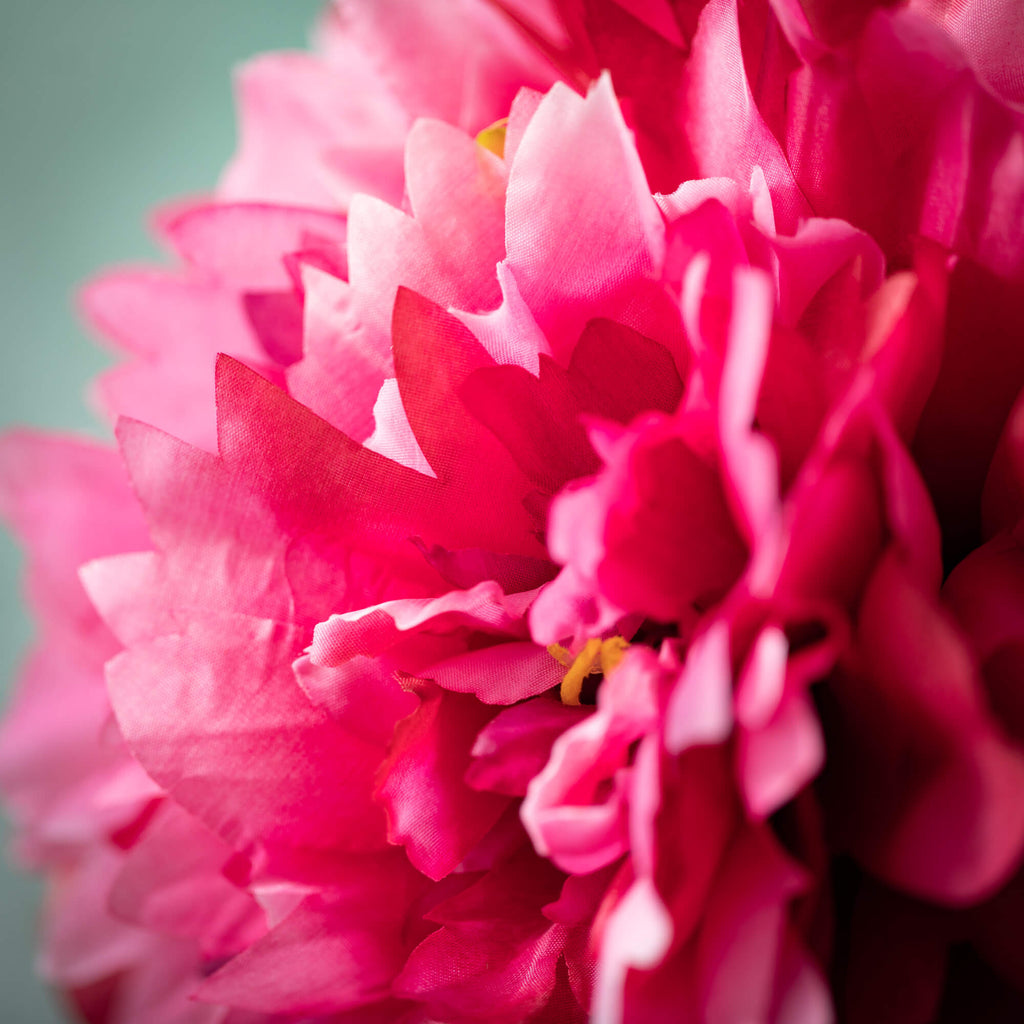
107, 108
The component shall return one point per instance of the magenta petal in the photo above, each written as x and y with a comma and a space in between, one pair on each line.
516, 745
430, 808
944, 821
496, 949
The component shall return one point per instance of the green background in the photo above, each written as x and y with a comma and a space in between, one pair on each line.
107, 108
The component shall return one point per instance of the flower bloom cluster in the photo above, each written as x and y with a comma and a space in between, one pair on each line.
562, 558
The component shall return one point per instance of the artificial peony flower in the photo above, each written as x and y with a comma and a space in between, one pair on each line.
561, 556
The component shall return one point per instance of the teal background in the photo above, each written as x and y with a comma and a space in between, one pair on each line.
107, 108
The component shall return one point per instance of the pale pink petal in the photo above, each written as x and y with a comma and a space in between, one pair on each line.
292, 108
776, 761
725, 129
503, 674
243, 245
274, 775
392, 436
577, 194
699, 708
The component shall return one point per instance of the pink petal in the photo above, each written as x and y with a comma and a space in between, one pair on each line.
336, 951
176, 327
173, 882
943, 821
778, 760
271, 772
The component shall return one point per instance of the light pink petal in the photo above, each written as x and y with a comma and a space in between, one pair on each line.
67, 778
81, 942
392, 436
456, 189
344, 359
577, 196
243, 245
778, 760
372, 631
466, 66
160, 987
699, 708
751, 464
575, 810
503, 674
819, 249
762, 683
509, 333
69, 500
293, 107
639, 934
725, 130
126, 591
175, 327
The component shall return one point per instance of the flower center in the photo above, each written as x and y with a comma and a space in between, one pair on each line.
493, 137
597, 656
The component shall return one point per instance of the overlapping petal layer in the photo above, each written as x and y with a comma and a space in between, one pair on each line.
556, 568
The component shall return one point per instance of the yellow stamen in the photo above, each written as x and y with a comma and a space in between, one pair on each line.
493, 137
572, 682
560, 654
612, 651
597, 656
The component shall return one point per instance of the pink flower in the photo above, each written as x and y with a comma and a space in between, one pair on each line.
562, 555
